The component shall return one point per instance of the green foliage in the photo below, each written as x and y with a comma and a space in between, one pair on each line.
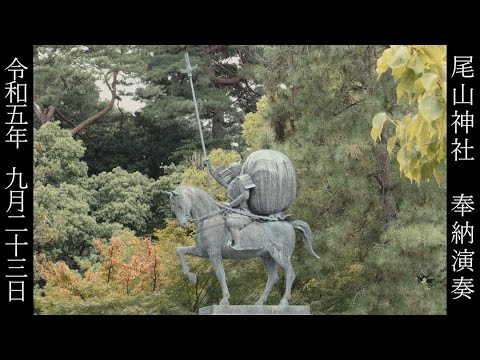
71, 209
408, 262
63, 225
67, 228
59, 82
419, 71
168, 97
57, 156
165, 130
136, 143
66, 76
122, 197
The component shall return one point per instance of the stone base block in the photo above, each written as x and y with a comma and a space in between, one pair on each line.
255, 310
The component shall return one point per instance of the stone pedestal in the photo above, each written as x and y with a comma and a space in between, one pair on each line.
255, 310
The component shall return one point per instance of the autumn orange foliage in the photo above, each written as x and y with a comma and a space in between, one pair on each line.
130, 266
129, 274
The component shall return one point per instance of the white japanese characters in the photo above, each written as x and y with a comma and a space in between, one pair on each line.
16, 263
462, 65
461, 235
16, 103
16, 96
463, 206
461, 232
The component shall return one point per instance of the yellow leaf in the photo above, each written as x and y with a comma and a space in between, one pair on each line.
400, 57
377, 125
382, 62
375, 134
401, 159
398, 72
429, 81
416, 64
435, 53
391, 144
400, 92
419, 89
431, 107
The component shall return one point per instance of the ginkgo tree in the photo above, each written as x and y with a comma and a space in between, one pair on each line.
420, 75
257, 132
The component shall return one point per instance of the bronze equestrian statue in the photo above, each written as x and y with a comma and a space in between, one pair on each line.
258, 193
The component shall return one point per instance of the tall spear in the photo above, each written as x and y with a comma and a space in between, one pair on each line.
188, 70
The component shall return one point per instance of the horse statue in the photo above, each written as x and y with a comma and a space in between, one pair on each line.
274, 240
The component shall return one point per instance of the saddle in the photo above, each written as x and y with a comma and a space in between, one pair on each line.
248, 227
237, 220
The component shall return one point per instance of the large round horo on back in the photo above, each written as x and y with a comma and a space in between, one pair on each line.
275, 183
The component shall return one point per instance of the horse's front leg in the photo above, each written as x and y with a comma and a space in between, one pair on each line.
216, 259
188, 250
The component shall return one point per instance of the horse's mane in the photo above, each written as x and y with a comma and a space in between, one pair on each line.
198, 197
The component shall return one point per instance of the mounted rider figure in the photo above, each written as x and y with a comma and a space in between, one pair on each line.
238, 192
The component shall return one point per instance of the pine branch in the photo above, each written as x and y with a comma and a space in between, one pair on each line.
222, 81
250, 88
64, 118
101, 113
348, 107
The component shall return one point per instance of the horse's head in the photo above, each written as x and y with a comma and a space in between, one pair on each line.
181, 205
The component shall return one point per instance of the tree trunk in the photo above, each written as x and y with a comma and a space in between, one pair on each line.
279, 129
44, 115
384, 176
92, 119
218, 128
385, 180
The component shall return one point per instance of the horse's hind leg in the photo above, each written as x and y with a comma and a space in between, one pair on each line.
217, 264
188, 250
271, 267
283, 258
289, 277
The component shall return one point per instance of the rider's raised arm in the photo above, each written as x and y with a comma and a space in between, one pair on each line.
216, 175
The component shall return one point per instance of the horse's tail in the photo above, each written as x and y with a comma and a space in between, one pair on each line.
307, 235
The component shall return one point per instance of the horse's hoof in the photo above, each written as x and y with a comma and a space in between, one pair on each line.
260, 302
224, 302
192, 277
283, 302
